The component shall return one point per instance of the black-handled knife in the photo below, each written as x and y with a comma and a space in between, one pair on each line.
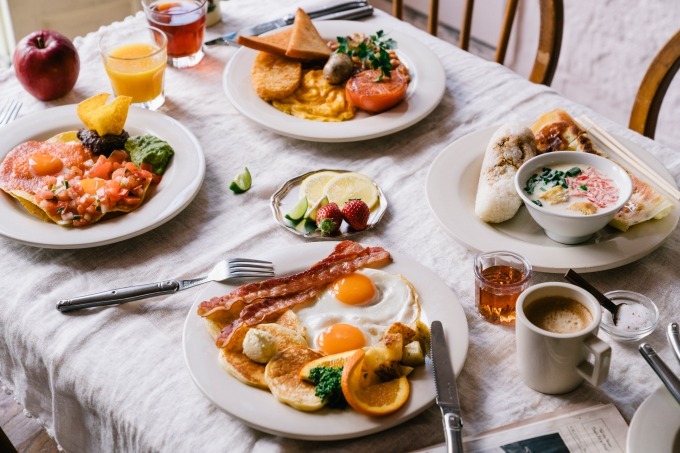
351, 9
446, 390
669, 379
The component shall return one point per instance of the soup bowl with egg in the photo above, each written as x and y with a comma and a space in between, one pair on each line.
572, 195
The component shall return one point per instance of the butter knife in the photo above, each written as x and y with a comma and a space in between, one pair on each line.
669, 379
351, 9
446, 391
674, 338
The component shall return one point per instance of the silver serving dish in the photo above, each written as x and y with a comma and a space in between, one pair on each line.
285, 198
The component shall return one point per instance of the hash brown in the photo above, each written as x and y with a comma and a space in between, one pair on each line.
275, 77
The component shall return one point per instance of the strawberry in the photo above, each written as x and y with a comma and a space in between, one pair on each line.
356, 214
328, 218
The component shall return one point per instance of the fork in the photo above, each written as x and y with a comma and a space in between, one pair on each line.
9, 111
231, 269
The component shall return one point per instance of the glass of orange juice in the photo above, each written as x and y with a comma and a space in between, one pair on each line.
135, 63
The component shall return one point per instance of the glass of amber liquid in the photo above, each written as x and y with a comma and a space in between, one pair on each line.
500, 277
183, 21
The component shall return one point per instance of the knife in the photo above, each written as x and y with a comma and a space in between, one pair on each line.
669, 379
445, 385
352, 9
674, 338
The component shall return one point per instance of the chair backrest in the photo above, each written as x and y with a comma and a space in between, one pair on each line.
549, 40
653, 88
432, 17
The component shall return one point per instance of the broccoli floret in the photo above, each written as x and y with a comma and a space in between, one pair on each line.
328, 387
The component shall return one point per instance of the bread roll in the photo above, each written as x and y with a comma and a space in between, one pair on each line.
510, 146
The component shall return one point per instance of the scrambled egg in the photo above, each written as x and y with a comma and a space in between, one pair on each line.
316, 99
557, 194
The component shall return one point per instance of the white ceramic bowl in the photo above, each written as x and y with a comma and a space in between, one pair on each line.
568, 227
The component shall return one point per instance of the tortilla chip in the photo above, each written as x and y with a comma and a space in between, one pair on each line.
104, 118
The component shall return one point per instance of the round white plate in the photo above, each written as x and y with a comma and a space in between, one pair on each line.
425, 91
259, 409
181, 181
451, 190
655, 426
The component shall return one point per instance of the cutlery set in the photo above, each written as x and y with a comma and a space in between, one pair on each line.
349, 10
670, 380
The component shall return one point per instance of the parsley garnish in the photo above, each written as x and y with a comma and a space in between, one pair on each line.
328, 387
372, 52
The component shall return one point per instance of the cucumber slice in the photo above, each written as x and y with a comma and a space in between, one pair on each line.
298, 210
241, 181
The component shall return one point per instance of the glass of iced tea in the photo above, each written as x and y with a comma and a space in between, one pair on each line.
500, 277
183, 21
135, 63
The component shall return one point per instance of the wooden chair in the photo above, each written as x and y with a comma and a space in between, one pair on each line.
549, 41
432, 17
653, 88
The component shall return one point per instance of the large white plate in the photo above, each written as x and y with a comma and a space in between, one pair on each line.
425, 91
451, 191
179, 185
259, 409
655, 427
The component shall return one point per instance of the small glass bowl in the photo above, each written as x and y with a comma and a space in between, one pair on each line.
631, 326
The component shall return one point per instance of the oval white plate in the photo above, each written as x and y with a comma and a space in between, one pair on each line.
451, 190
655, 426
180, 184
259, 409
425, 91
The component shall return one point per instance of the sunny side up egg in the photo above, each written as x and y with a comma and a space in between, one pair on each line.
354, 311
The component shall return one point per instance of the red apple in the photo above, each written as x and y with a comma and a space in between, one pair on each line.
46, 64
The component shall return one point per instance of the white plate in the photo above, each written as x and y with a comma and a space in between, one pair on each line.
655, 427
181, 181
259, 409
451, 190
425, 91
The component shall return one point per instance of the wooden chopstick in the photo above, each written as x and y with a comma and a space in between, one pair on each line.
628, 156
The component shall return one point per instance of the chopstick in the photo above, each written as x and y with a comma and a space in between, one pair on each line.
628, 156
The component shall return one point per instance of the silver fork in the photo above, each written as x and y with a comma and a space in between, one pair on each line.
231, 269
9, 111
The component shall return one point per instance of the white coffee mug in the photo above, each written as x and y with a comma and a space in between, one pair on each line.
557, 363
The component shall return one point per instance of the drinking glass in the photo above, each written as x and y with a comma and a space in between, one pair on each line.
183, 21
500, 277
135, 63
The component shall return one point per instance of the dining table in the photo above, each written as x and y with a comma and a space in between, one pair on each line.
116, 378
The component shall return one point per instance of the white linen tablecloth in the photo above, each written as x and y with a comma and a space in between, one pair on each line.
115, 379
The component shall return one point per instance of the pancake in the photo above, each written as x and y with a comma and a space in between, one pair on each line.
283, 377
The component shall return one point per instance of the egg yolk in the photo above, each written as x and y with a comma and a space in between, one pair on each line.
45, 164
340, 338
91, 186
355, 289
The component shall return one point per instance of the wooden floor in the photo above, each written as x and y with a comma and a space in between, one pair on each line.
26, 434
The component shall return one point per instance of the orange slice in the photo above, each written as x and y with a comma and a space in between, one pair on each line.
330, 361
378, 399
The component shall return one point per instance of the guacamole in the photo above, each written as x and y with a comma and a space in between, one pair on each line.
150, 150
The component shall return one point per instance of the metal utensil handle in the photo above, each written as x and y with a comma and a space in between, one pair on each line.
356, 13
335, 7
674, 338
453, 426
119, 296
572, 277
669, 379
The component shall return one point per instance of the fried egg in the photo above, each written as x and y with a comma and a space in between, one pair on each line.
25, 166
355, 310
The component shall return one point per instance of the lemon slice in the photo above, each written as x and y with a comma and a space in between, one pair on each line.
351, 186
313, 186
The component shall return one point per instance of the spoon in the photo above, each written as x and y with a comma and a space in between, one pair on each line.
674, 338
573, 277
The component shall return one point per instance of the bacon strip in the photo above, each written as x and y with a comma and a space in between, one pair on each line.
347, 257
274, 296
